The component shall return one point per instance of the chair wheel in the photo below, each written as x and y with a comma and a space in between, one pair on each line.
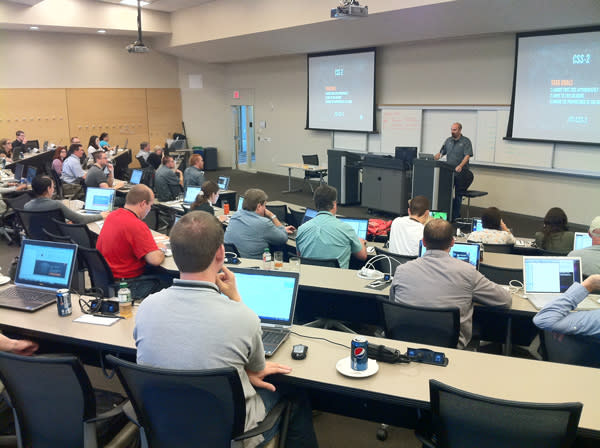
382, 434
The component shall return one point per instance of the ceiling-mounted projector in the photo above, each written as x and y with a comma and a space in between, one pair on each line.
349, 9
137, 47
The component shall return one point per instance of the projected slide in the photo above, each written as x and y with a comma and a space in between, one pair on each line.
341, 91
557, 88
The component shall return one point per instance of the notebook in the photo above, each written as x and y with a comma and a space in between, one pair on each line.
44, 267
190, 194
438, 215
360, 226
546, 278
272, 296
469, 252
223, 183
477, 225
581, 240
98, 200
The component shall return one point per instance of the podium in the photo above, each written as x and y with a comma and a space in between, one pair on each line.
434, 180
343, 173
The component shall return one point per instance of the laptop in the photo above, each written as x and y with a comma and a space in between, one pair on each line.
98, 200
272, 296
477, 225
223, 183
190, 195
240, 203
438, 215
31, 173
469, 252
546, 278
44, 267
360, 226
136, 178
581, 240
309, 214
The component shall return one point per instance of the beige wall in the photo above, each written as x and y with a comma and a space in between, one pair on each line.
47, 60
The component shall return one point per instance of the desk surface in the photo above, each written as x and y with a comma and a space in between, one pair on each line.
302, 166
495, 376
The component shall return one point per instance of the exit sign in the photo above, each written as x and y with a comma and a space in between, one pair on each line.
236, 94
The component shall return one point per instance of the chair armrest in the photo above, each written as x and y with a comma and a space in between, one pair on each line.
268, 423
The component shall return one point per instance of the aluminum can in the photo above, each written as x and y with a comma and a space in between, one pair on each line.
358, 353
63, 302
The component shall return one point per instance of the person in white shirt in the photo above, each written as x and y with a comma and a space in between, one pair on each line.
407, 231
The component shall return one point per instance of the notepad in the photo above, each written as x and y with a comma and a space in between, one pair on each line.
96, 320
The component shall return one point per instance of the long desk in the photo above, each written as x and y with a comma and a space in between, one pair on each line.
392, 392
40, 160
303, 167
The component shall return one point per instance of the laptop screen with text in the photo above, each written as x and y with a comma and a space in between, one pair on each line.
581, 240
99, 199
46, 264
550, 274
477, 225
360, 226
190, 194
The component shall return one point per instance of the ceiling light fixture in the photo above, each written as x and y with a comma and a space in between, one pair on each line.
102, 31
34, 28
133, 3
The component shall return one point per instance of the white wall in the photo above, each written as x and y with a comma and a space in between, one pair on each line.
51, 60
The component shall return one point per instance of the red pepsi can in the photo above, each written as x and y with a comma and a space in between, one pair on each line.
63, 302
358, 353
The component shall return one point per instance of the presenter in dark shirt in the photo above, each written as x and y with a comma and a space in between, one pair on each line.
458, 150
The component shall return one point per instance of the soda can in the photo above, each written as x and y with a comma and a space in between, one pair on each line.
358, 353
63, 302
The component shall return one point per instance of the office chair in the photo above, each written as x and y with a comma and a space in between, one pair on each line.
395, 259
10, 220
58, 184
498, 248
191, 408
327, 262
500, 275
312, 159
466, 420
34, 222
80, 234
55, 405
101, 276
553, 253
296, 217
570, 349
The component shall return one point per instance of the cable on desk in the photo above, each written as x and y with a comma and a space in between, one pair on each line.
322, 339
516, 287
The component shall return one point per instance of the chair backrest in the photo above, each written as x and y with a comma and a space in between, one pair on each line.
395, 259
99, 271
57, 184
79, 233
466, 420
310, 159
501, 275
570, 349
553, 253
185, 408
52, 398
280, 211
18, 201
296, 217
34, 222
152, 218
230, 247
422, 325
498, 248
327, 262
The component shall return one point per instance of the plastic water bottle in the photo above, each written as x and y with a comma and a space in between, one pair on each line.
267, 260
125, 302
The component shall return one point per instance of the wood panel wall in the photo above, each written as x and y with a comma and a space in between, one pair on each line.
135, 115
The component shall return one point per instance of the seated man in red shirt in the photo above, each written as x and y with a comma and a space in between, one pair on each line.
129, 248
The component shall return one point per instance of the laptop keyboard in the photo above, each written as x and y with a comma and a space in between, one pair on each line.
272, 340
30, 295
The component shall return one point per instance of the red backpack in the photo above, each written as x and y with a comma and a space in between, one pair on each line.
379, 227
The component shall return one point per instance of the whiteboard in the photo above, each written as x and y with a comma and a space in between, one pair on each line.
355, 141
437, 123
400, 127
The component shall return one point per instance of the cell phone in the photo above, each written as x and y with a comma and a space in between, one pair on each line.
299, 351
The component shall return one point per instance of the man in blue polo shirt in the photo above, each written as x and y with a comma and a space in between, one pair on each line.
325, 236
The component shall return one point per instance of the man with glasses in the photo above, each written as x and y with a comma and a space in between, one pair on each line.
72, 172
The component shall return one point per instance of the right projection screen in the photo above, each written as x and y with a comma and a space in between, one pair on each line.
556, 91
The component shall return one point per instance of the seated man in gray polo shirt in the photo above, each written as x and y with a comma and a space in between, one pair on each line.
168, 181
590, 256
254, 228
438, 280
201, 322
193, 175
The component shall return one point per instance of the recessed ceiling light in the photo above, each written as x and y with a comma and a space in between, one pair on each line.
133, 3
34, 28
102, 31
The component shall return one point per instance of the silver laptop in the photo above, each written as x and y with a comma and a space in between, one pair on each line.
581, 240
223, 183
272, 296
190, 195
98, 200
44, 267
546, 278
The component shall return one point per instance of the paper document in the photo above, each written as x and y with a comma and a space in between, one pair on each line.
96, 320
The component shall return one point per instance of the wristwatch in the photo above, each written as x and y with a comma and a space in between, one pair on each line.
273, 217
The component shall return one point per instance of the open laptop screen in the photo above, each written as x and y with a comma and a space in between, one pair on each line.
270, 294
550, 274
223, 183
438, 215
581, 240
469, 252
240, 203
45, 264
136, 177
477, 225
99, 199
190, 194
309, 214
19, 171
360, 226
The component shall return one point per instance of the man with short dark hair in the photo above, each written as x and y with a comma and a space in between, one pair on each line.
193, 175
255, 228
72, 172
96, 176
19, 141
590, 256
438, 280
407, 231
129, 248
326, 237
168, 181
202, 323
143, 154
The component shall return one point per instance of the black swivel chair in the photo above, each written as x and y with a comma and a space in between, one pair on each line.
296, 217
34, 222
55, 405
570, 349
466, 420
500, 275
498, 248
80, 234
395, 259
326, 262
191, 408
11, 223
312, 159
